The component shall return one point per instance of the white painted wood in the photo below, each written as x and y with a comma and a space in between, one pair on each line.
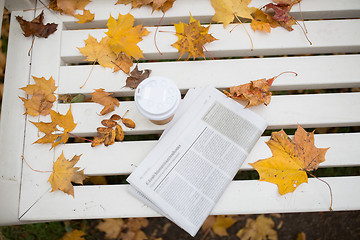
241, 197
45, 63
203, 11
12, 125
123, 157
323, 35
314, 72
17, 5
284, 111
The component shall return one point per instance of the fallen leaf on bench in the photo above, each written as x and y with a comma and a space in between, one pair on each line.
111, 131
191, 38
259, 229
64, 122
103, 98
124, 37
255, 93
282, 15
42, 96
74, 235
36, 27
263, 21
291, 160
69, 7
86, 17
64, 173
136, 77
162, 5
227, 10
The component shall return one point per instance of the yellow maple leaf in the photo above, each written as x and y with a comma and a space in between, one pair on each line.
43, 96
64, 173
65, 122
259, 229
74, 235
86, 17
191, 38
291, 160
124, 37
227, 10
98, 51
263, 21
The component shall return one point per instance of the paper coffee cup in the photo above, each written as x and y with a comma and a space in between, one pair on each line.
157, 98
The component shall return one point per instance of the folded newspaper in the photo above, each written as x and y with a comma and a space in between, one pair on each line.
197, 157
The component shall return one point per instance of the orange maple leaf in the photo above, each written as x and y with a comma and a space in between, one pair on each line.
64, 173
103, 98
263, 21
162, 5
42, 96
256, 92
86, 17
124, 37
291, 160
69, 6
65, 122
191, 38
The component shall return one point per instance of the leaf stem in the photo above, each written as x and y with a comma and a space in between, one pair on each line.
303, 32
92, 69
284, 73
125, 113
80, 137
331, 195
32, 168
208, 53
252, 44
302, 19
157, 28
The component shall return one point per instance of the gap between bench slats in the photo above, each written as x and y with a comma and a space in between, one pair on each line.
284, 111
314, 72
123, 157
323, 34
203, 11
241, 197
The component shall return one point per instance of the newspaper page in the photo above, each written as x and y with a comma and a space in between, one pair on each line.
186, 173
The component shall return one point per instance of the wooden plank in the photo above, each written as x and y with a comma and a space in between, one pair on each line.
323, 34
202, 10
12, 125
123, 157
284, 111
241, 197
45, 63
314, 72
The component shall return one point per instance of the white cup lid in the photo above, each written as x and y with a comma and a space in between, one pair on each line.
157, 98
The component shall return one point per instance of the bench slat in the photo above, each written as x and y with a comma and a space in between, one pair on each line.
122, 158
314, 72
312, 110
202, 10
241, 197
323, 34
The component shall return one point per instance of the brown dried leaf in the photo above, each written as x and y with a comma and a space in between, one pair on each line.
103, 130
123, 62
110, 138
136, 77
103, 98
162, 5
111, 227
98, 140
36, 26
115, 117
119, 133
108, 123
128, 122
261, 228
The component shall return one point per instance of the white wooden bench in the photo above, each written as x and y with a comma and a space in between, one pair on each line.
334, 63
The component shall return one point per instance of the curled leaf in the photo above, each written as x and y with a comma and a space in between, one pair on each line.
103, 98
36, 27
136, 77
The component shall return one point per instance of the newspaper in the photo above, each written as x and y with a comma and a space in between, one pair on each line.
196, 158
